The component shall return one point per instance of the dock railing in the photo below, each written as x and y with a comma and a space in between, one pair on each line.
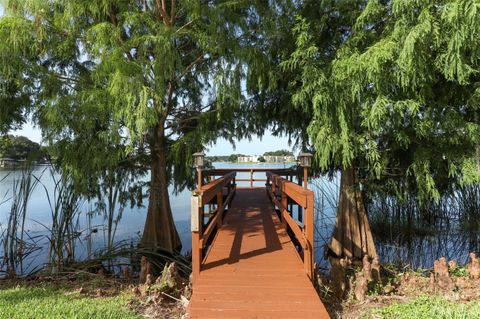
282, 193
219, 192
211, 194
251, 171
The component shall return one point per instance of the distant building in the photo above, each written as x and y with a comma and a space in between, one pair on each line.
7, 161
248, 159
279, 159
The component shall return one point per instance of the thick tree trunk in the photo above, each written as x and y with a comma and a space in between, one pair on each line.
160, 231
351, 237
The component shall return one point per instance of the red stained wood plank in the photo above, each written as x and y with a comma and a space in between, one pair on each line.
252, 269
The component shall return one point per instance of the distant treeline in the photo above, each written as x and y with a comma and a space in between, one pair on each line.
233, 158
278, 153
20, 148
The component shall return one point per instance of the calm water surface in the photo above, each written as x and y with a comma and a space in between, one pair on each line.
129, 228
417, 251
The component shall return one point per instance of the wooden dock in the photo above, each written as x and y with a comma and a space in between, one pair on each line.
251, 268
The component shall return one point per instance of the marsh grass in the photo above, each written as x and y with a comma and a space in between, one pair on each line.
64, 231
5, 197
468, 203
16, 242
326, 191
408, 232
458, 209
112, 198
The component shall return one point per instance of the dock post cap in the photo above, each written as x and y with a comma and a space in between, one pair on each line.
305, 159
199, 159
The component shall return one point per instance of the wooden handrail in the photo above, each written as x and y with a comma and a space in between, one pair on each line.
289, 193
252, 171
277, 171
201, 197
305, 199
208, 191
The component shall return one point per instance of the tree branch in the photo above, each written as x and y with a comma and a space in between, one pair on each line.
172, 12
163, 12
191, 65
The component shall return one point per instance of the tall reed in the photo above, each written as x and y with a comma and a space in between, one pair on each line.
414, 233
4, 196
326, 189
111, 200
15, 246
65, 203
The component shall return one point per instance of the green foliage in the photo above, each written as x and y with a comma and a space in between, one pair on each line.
105, 78
428, 307
261, 159
133, 83
233, 158
20, 148
51, 302
399, 95
459, 271
278, 153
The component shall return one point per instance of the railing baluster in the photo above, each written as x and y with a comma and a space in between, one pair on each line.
200, 198
219, 208
304, 199
284, 203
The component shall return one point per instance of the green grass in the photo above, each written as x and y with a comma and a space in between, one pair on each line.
428, 307
52, 303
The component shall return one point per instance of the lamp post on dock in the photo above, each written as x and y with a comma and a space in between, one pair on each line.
305, 162
199, 162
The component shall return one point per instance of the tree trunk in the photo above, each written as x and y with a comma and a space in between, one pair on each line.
477, 120
351, 237
160, 231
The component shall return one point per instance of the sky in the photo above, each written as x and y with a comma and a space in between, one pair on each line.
256, 146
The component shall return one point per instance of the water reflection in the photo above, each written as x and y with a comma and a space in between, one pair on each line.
91, 226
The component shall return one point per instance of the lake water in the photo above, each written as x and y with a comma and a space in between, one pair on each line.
129, 228
416, 251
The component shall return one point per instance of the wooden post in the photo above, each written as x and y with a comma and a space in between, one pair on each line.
199, 182
251, 178
308, 255
305, 177
196, 226
284, 203
219, 208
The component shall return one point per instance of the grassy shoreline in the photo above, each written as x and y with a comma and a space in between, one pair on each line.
93, 296
57, 301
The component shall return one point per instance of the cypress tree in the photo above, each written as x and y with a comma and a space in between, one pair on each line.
111, 79
399, 96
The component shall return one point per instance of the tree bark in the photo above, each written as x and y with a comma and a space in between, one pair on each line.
352, 237
159, 232
478, 145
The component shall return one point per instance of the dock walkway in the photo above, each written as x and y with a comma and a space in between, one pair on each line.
252, 269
